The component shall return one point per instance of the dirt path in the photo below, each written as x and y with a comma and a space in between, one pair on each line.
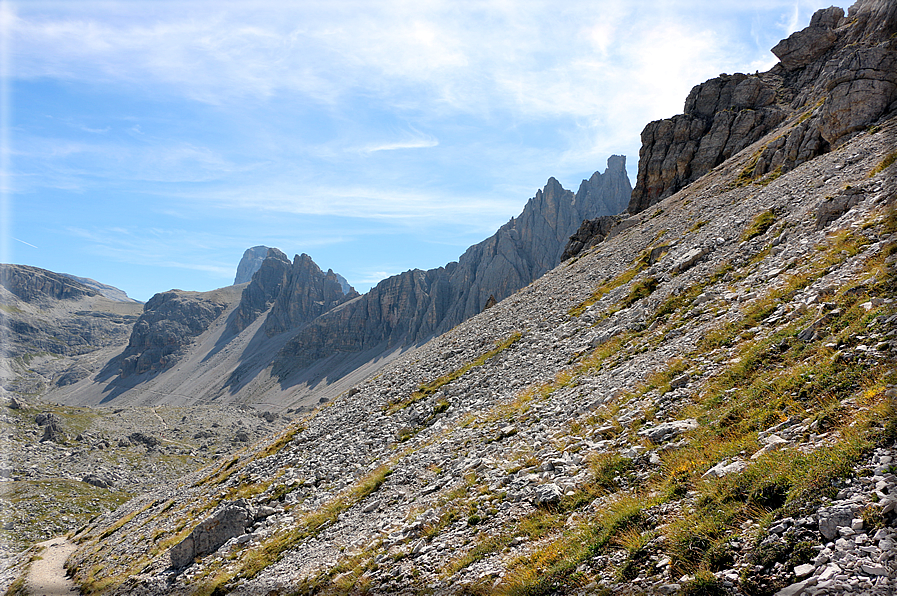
47, 576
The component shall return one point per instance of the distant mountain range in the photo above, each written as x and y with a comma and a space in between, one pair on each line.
294, 334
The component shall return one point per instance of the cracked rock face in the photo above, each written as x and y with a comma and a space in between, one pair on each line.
168, 323
228, 522
836, 78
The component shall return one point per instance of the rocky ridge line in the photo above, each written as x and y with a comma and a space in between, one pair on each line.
413, 306
839, 75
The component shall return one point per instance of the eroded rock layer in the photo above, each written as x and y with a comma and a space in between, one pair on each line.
835, 78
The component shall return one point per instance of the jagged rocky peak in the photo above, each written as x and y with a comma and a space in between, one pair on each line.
250, 263
412, 307
836, 77
307, 293
608, 192
266, 283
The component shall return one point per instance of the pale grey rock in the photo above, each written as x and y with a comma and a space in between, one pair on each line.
793, 589
721, 469
668, 430
834, 207
831, 519
229, 521
547, 494
690, 259
802, 47
250, 263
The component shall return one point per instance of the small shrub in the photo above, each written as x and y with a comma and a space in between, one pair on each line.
704, 583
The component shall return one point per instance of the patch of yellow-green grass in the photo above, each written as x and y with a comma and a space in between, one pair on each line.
698, 225
840, 247
746, 176
640, 263
551, 564
640, 289
491, 543
884, 164
770, 177
282, 441
57, 504
773, 378
808, 113
758, 226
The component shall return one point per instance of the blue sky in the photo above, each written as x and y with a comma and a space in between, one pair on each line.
147, 144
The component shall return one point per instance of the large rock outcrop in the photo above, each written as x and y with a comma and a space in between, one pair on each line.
413, 306
33, 284
250, 263
170, 321
836, 77
266, 283
299, 292
307, 293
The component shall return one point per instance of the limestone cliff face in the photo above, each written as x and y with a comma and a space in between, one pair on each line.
250, 263
411, 307
266, 283
306, 293
54, 326
836, 77
51, 313
33, 284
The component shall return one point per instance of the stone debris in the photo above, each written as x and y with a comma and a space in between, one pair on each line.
450, 469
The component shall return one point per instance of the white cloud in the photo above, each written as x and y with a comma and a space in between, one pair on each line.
473, 57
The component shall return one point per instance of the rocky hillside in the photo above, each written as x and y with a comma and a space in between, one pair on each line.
63, 466
704, 402
56, 329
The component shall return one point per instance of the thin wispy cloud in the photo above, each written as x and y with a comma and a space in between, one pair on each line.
394, 146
